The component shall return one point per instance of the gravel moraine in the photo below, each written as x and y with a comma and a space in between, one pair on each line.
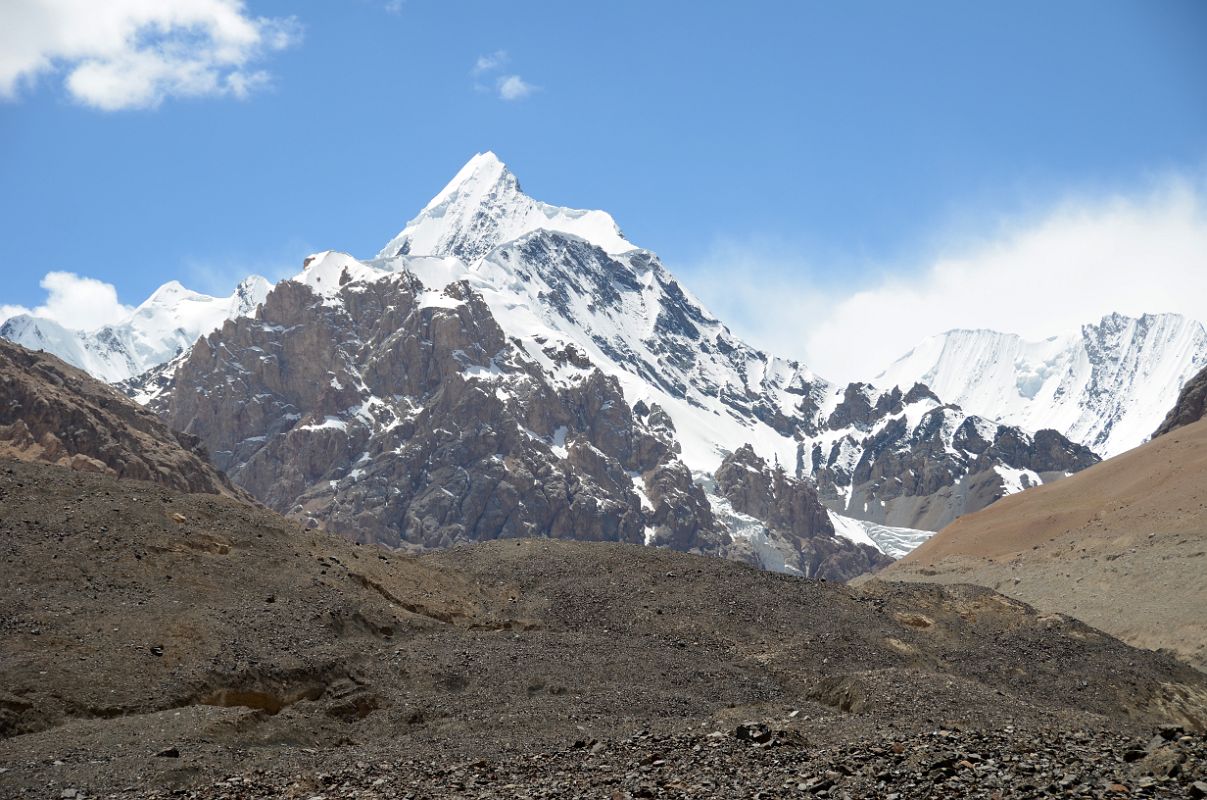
760, 761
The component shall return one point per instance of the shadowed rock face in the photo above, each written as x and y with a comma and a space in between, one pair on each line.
791, 508
1190, 407
395, 415
53, 412
924, 470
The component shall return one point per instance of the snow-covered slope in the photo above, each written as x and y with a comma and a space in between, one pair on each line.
1106, 386
163, 326
483, 207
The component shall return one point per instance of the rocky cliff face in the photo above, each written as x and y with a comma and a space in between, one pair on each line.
793, 515
1190, 407
392, 413
55, 413
910, 460
395, 414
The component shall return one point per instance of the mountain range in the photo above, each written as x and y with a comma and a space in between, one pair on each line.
1106, 385
395, 390
165, 325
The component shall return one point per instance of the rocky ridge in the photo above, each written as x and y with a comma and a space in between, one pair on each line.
1191, 405
394, 414
1105, 385
162, 327
513, 353
907, 459
55, 413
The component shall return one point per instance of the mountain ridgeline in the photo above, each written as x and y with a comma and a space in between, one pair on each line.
505, 368
1105, 386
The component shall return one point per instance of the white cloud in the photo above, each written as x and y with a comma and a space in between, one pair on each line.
490, 62
1083, 259
75, 302
508, 87
123, 54
513, 87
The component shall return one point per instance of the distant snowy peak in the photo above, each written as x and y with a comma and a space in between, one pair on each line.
483, 207
1106, 386
160, 328
36, 333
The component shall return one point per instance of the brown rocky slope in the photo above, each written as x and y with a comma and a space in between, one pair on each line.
158, 639
53, 412
1122, 546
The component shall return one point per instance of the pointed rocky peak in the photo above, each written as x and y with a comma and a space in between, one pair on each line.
483, 179
483, 207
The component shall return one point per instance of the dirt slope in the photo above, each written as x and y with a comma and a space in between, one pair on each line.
1121, 546
137, 620
53, 412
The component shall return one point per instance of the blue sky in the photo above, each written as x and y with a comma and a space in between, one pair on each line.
844, 144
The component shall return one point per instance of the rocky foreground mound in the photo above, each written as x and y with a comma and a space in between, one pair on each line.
58, 414
157, 642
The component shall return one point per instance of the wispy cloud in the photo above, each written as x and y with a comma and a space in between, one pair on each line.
508, 87
513, 87
394, 6
491, 62
1144, 252
75, 302
128, 54
217, 273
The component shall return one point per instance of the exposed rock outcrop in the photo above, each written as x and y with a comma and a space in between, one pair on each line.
909, 460
370, 389
53, 412
792, 512
1190, 407
390, 413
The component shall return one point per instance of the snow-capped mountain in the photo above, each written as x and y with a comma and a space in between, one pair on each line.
587, 323
1106, 386
483, 207
166, 324
580, 310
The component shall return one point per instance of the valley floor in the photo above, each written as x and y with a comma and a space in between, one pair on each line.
158, 644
